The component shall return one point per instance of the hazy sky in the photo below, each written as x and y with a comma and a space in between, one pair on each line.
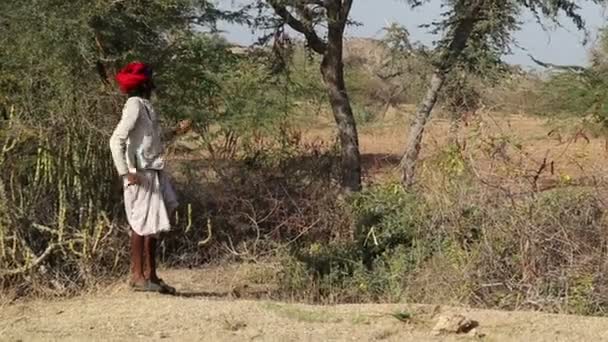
560, 45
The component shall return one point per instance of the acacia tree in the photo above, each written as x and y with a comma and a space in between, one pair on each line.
480, 26
306, 17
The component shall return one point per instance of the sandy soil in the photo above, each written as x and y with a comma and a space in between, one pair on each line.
203, 312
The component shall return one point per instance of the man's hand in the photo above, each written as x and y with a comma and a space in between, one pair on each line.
183, 127
133, 179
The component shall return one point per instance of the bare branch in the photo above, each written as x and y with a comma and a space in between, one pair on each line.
574, 68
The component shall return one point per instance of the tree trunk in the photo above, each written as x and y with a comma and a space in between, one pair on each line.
333, 76
447, 59
332, 69
408, 163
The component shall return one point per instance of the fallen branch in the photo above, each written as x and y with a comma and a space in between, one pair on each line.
35, 263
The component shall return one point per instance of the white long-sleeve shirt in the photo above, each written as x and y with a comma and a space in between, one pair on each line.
136, 142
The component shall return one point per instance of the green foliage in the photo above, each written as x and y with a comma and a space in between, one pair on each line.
566, 93
452, 163
385, 220
581, 92
304, 76
384, 250
192, 83
495, 21
406, 67
461, 94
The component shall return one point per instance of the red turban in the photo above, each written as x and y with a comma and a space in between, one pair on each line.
133, 76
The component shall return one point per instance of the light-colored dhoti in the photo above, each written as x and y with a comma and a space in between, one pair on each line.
149, 204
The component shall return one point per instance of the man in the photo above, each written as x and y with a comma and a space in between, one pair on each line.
137, 152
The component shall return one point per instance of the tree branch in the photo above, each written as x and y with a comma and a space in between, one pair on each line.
37, 261
574, 68
346, 7
313, 2
316, 43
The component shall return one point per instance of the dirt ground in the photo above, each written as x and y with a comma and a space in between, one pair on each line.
205, 311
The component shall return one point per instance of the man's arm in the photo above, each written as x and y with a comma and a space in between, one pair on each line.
118, 141
182, 128
168, 134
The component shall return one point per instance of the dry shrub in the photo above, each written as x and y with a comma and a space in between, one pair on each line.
543, 252
58, 201
277, 196
463, 242
514, 235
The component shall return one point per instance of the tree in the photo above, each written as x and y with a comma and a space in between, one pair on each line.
580, 91
305, 16
471, 28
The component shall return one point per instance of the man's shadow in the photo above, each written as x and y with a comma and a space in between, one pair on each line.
202, 294
235, 294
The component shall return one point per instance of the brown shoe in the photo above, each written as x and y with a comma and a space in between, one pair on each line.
166, 288
147, 286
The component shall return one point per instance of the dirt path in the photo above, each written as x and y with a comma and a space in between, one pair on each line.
206, 314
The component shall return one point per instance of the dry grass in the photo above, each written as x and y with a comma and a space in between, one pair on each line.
496, 141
